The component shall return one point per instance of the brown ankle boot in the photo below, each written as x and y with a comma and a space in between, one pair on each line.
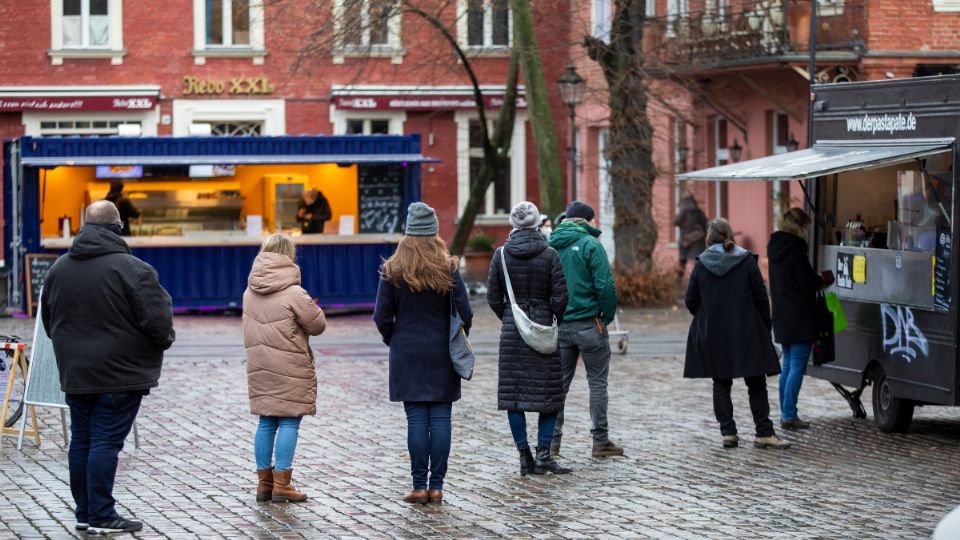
264, 484
283, 490
435, 496
418, 496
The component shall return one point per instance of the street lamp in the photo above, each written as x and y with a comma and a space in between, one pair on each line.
572, 87
735, 151
792, 144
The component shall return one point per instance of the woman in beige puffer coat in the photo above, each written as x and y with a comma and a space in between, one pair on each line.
278, 318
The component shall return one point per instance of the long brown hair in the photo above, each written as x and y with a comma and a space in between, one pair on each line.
422, 262
794, 221
720, 232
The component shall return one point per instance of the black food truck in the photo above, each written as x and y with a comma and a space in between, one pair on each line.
880, 180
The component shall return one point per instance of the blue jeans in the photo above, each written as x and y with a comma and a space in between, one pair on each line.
428, 441
545, 426
795, 357
99, 423
283, 429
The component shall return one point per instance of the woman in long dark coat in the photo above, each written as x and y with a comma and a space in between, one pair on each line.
529, 381
730, 334
413, 316
692, 223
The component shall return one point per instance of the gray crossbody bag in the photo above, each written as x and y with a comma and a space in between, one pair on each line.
541, 338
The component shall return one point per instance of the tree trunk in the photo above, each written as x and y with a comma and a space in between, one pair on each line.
549, 170
630, 146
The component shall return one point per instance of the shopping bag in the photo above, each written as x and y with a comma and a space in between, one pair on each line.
839, 317
824, 350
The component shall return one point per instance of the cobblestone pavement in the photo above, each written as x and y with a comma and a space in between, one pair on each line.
193, 475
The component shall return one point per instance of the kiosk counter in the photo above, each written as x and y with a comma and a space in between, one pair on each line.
880, 182
202, 206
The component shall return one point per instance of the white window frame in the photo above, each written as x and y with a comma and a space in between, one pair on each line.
272, 112
946, 6
676, 10
518, 167
256, 50
677, 126
607, 211
829, 8
488, 47
777, 186
339, 118
651, 10
601, 14
393, 49
721, 155
113, 50
148, 120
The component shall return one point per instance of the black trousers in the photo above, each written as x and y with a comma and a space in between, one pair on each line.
759, 405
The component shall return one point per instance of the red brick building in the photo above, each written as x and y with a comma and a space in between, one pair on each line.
249, 67
729, 82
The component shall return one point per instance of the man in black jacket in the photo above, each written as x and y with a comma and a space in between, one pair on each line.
110, 321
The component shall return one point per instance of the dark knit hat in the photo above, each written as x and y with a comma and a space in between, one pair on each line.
577, 209
421, 220
525, 215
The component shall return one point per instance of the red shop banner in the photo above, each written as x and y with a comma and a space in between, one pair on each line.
77, 103
419, 103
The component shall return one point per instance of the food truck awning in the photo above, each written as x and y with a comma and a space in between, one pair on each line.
82, 161
825, 158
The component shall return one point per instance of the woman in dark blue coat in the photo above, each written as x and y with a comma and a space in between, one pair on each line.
413, 316
528, 380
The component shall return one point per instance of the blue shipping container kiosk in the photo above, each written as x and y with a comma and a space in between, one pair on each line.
195, 194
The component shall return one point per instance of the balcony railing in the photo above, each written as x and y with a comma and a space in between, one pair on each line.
749, 31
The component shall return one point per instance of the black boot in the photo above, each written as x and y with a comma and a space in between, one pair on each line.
526, 462
546, 463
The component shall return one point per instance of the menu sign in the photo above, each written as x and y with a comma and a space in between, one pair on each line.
380, 198
845, 270
941, 271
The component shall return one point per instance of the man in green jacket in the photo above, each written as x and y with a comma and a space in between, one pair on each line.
591, 306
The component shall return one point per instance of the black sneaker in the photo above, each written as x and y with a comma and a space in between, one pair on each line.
794, 424
606, 449
81, 526
118, 525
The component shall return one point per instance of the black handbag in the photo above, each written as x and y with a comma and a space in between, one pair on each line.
824, 346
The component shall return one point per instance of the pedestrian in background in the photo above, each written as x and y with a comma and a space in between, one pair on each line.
692, 223
793, 289
110, 321
528, 380
128, 212
419, 285
546, 226
729, 337
278, 319
591, 306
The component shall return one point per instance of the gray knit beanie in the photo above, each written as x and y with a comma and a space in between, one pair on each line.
525, 215
421, 220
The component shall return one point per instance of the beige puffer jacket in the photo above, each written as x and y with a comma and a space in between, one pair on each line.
278, 317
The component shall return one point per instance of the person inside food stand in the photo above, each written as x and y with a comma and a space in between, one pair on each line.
313, 212
127, 210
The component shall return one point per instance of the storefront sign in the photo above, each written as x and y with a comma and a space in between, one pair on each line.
77, 103
195, 86
859, 269
888, 123
845, 270
419, 103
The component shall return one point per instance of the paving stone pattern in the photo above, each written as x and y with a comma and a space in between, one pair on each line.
194, 477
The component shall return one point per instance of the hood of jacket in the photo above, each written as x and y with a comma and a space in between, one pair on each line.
525, 243
782, 244
93, 241
719, 262
272, 272
569, 232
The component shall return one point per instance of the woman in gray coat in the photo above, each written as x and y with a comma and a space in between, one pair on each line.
528, 380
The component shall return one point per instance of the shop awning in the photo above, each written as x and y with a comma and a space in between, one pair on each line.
85, 161
825, 158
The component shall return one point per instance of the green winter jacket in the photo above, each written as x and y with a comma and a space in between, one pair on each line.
590, 288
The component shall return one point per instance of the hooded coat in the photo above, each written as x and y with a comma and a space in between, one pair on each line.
528, 380
730, 334
278, 318
591, 292
793, 289
107, 315
690, 219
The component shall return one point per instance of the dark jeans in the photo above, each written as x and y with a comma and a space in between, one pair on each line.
583, 338
759, 406
545, 426
99, 423
428, 441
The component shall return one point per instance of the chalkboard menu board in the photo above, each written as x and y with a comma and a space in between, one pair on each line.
38, 264
380, 198
941, 271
